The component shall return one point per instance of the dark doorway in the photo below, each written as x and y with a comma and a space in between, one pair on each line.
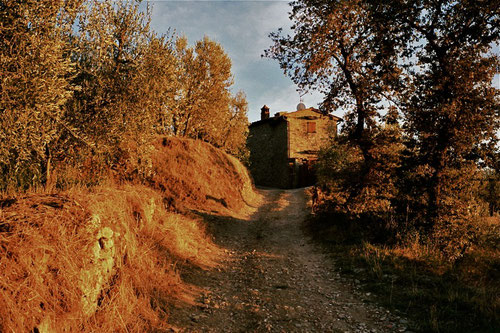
307, 176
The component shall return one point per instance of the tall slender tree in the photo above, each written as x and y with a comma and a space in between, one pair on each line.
108, 107
235, 130
157, 82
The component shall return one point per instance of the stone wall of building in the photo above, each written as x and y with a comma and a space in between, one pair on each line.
268, 143
304, 144
283, 148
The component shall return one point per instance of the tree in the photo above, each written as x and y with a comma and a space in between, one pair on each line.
336, 49
157, 82
490, 191
205, 76
340, 167
431, 58
204, 107
235, 133
110, 107
452, 110
88, 82
36, 71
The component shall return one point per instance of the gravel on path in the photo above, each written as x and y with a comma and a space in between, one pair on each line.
276, 279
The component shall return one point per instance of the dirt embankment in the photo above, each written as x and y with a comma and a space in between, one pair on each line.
195, 175
106, 259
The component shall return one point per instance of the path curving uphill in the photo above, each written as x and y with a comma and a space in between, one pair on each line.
276, 279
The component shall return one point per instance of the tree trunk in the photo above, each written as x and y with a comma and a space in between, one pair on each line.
186, 127
46, 168
435, 193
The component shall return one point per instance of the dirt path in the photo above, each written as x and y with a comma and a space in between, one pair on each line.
277, 280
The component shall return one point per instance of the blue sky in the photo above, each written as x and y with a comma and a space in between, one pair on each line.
242, 28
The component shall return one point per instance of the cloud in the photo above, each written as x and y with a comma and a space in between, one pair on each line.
242, 28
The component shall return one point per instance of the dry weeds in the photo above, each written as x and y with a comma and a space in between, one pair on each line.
415, 278
105, 258
215, 182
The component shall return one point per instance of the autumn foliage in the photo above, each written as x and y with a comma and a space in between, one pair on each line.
91, 230
420, 136
408, 190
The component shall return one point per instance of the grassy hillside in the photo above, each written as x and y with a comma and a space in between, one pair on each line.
214, 181
104, 258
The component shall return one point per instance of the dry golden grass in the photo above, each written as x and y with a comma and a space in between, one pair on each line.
104, 258
416, 278
94, 260
460, 296
200, 177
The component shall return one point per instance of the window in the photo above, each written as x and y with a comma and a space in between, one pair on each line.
311, 127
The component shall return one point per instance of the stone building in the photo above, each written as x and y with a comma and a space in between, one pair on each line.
283, 148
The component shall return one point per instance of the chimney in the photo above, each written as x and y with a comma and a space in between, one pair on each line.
264, 112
